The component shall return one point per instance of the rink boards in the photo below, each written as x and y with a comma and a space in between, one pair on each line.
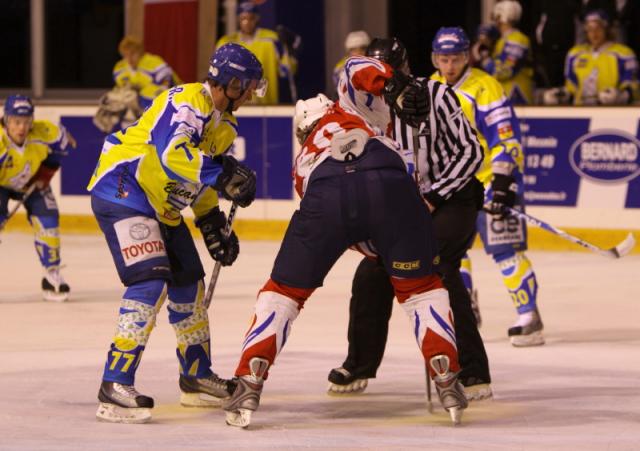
582, 170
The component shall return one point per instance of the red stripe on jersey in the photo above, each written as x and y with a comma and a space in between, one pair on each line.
404, 288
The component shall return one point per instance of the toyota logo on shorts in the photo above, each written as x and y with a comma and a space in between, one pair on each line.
139, 231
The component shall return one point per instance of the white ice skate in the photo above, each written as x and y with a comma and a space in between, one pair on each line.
204, 392
342, 382
54, 288
246, 397
527, 331
449, 390
123, 404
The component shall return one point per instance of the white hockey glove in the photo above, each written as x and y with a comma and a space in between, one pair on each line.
611, 96
556, 96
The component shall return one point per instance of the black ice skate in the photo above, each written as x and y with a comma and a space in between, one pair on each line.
343, 382
205, 391
246, 397
528, 330
449, 390
54, 288
476, 389
123, 404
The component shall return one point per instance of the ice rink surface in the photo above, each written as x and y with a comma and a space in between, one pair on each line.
579, 391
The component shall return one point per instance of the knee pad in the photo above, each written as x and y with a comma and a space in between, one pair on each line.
432, 320
140, 305
187, 314
271, 325
47, 239
520, 280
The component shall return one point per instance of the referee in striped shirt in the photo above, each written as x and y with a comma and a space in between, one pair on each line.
447, 154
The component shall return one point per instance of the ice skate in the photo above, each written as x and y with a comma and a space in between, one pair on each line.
342, 382
475, 307
204, 392
527, 331
476, 389
123, 404
449, 390
246, 397
54, 288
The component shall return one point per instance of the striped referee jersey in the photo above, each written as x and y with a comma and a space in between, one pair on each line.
448, 151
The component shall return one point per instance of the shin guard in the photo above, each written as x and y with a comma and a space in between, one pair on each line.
520, 280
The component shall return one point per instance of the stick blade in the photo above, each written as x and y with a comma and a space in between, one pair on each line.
625, 246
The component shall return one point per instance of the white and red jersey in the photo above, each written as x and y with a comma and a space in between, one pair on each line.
360, 105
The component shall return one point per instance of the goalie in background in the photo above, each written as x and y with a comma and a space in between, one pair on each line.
139, 78
598, 72
30, 154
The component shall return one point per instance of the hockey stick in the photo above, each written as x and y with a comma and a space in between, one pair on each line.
622, 249
218, 265
15, 208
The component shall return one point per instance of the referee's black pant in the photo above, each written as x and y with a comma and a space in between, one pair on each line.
372, 295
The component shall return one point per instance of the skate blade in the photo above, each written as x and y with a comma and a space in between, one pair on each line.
239, 418
456, 415
199, 400
478, 392
354, 388
52, 296
116, 414
523, 341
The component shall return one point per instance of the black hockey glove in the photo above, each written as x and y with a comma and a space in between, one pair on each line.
222, 249
236, 182
504, 189
394, 87
414, 104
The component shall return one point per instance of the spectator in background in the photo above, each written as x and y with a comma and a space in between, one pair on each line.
273, 50
599, 72
355, 45
510, 61
486, 38
555, 34
139, 77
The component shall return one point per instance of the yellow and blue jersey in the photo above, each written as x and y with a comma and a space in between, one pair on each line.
152, 76
164, 162
588, 72
45, 142
266, 46
490, 112
511, 65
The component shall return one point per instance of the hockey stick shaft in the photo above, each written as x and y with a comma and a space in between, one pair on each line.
622, 249
218, 265
17, 206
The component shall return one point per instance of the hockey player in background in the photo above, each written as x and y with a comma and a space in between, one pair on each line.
274, 51
447, 154
354, 187
504, 237
173, 157
31, 152
510, 62
598, 72
355, 44
139, 77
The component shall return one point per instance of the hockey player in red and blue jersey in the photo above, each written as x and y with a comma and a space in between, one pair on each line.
355, 187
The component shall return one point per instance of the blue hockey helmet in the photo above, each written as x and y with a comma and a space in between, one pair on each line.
450, 40
18, 105
235, 61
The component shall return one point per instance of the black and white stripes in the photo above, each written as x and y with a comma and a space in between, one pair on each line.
448, 151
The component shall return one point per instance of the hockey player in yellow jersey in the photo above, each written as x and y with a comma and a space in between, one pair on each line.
598, 72
355, 44
144, 72
510, 62
30, 154
277, 60
504, 237
171, 158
